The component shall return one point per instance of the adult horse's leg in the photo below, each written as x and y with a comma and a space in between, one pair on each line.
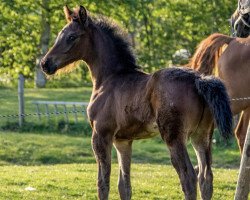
124, 151
102, 145
201, 142
241, 129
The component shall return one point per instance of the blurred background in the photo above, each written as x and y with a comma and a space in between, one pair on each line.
159, 31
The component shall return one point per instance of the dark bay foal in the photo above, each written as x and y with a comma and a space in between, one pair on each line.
128, 104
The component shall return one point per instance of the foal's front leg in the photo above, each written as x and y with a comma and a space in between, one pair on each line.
102, 145
124, 150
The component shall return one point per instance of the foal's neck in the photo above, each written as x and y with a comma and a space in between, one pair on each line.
105, 62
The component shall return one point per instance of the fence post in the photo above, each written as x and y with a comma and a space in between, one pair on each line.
38, 111
21, 99
243, 184
56, 111
47, 111
66, 114
75, 113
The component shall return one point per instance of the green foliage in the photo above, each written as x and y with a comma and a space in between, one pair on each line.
19, 37
157, 28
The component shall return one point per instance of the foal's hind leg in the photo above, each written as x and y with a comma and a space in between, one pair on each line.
184, 168
124, 150
201, 142
175, 139
102, 145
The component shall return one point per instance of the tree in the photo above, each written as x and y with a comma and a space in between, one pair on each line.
40, 79
157, 28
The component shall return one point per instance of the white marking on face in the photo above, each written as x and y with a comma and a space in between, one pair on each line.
59, 37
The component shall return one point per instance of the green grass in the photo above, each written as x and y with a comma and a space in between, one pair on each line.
78, 181
63, 167
35, 149
60, 164
39, 149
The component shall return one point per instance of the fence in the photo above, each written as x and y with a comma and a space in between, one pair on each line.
56, 112
48, 104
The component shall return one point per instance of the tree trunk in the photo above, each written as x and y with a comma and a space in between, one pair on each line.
40, 79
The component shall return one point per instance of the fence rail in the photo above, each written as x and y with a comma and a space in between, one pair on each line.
61, 103
56, 105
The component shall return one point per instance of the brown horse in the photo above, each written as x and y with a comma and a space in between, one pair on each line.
128, 104
241, 28
231, 65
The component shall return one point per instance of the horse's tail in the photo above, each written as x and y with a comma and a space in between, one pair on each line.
207, 53
214, 93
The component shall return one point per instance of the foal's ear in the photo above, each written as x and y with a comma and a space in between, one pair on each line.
83, 15
68, 13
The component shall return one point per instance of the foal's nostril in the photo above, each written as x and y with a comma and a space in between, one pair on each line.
45, 64
48, 66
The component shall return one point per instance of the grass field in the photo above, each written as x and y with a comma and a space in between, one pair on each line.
60, 164
77, 181
63, 167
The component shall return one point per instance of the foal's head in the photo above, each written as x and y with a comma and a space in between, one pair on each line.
100, 42
72, 42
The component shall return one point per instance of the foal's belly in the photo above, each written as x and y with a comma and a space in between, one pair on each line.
150, 130
137, 132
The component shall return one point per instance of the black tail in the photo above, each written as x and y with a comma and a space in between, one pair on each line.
214, 93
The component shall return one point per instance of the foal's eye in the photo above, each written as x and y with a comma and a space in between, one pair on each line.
71, 38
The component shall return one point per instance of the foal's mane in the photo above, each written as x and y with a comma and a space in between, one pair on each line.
120, 38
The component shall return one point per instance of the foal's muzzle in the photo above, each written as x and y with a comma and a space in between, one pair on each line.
48, 66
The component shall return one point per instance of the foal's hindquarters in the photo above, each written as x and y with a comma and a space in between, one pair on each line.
182, 113
183, 105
